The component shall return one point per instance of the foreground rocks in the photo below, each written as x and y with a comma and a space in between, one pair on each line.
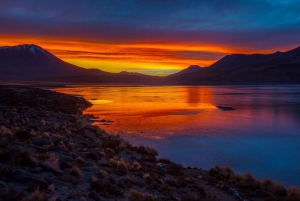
50, 151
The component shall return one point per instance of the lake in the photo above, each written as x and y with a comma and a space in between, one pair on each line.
252, 129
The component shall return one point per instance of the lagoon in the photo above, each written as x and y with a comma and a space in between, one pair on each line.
252, 129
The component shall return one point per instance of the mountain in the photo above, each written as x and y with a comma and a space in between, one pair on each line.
190, 69
276, 68
33, 63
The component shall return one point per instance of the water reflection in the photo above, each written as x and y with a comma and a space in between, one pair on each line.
261, 136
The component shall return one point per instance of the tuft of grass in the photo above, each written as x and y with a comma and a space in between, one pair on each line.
135, 166
103, 173
80, 160
51, 188
76, 171
151, 151
37, 196
53, 159
294, 192
135, 195
164, 160
122, 167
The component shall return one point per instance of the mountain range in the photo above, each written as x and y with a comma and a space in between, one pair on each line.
33, 63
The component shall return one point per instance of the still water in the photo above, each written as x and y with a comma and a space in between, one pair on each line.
259, 133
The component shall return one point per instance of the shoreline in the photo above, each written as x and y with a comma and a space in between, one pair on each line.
46, 141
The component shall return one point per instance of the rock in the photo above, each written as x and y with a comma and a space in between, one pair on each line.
41, 141
58, 199
11, 152
55, 140
39, 149
21, 176
94, 195
51, 167
86, 145
36, 170
94, 154
102, 163
3, 184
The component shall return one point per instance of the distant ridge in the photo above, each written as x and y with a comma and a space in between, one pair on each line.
276, 68
29, 62
190, 69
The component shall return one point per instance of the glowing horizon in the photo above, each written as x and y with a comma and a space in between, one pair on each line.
152, 59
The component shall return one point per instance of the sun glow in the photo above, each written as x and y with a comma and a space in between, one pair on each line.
155, 59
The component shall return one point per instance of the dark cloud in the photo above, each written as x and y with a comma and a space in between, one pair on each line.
248, 24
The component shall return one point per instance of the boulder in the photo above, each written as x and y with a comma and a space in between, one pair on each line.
21, 176
94, 154
3, 184
94, 195
51, 167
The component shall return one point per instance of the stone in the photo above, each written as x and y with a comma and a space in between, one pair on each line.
21, 176
39, 149
55, 140
94, 195
36, 170
41, 141
3, 184
102, 163
94, 154
51, 167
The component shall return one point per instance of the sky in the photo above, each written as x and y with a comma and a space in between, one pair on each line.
156, 37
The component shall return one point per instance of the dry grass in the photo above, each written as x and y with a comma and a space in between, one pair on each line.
135, 166
80, 160
37, 196
51, 188
6, 132
151, 151
53, 159
103, 173
76, 172
294, 192
135, 195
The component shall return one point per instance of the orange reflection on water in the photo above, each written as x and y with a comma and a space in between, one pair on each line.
153, 110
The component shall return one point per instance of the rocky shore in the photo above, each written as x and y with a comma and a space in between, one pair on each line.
50, 151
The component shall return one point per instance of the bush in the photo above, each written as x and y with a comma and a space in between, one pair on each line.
76, 171
151, 151
164, 160
174, 169
294, 192
135, 166
37, 196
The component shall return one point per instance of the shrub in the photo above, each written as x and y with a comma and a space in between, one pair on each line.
37, 196
294, 192
174, 169
76, 171
141, 149
135, 195
278, 189
151, 151
122, 167
11, 194
164, 160
53, 159
6, 132
80, 160
135, 166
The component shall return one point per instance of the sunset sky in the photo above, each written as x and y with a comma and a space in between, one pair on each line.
156, 37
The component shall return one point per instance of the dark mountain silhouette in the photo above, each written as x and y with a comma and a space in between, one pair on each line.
31, 62
190, 69
276, 68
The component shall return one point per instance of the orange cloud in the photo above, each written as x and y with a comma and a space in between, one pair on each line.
159, 59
